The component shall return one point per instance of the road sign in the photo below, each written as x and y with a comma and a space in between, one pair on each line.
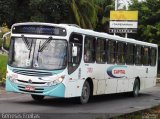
124, 15
123, 21
122, 30
123, 24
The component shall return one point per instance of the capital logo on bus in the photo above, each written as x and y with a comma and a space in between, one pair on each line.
116, 71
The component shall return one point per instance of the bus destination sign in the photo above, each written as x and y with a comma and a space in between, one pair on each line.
39, 29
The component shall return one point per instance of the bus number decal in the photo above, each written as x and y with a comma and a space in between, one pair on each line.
89, 70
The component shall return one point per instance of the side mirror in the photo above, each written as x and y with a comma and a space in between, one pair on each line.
6, 42
74, 51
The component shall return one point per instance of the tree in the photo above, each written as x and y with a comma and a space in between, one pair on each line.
104, 8
7, 11
149, 24
54, 11
85, 13
22, 11
34, 10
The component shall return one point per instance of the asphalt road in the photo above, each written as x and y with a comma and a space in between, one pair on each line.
99, 106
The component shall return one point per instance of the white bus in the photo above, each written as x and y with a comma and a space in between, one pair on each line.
66, 61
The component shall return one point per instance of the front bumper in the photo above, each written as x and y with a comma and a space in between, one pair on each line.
55, 91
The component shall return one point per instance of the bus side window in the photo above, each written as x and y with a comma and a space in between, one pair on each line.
145, 57
101, 50
153, 54
111, 51
130, 54
89, 49
138, 55
120, 55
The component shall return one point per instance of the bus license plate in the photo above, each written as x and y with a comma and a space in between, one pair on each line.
30, 88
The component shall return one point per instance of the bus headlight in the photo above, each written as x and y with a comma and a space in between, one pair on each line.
57, 81
12, 79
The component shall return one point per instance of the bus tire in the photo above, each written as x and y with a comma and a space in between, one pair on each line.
37, 97
84, 98
136, 88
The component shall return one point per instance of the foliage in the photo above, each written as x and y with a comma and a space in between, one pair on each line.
3, 66
56, 11
149, 24
0, 42
7, 11
103, 15
5, 28
33, 10
85, 13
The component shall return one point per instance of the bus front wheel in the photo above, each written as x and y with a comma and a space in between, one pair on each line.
37, 97
84, 98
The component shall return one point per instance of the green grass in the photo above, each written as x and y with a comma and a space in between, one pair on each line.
3, 66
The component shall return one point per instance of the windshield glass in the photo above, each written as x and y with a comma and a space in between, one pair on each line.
38, 53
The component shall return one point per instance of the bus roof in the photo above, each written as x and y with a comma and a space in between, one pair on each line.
75, 28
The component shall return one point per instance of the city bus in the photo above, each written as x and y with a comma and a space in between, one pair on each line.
64, 60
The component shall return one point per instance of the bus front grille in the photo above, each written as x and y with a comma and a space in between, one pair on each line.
37, 90
32, 73
29, 91
32, 82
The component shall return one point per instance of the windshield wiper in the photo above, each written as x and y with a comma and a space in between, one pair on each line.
26, 42
28, 45
44, 45
38, 51
30, 49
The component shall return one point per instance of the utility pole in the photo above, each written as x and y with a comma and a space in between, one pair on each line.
126, 4
116, 3
126, 7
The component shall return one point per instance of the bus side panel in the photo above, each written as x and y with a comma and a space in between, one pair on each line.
151, 78
74, 84
111, 86
96, 73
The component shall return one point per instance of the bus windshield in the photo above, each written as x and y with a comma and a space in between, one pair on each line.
47, 54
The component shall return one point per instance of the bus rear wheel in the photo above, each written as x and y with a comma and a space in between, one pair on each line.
84, 98
136, 88
37, 97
